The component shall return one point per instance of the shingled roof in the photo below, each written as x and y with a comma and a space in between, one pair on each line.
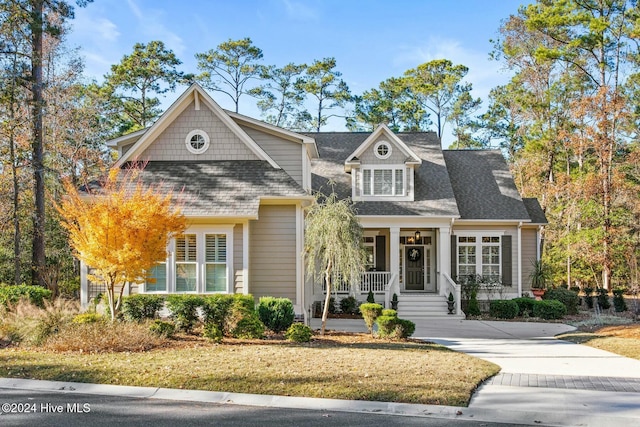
221, 188
433, 192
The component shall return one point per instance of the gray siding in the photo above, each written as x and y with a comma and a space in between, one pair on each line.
529, 254
272, 242
237, 259
370, 158
225, 145
287, 154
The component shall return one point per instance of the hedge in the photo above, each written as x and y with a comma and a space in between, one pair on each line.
569, 298
503, 309
549, 309
11, 294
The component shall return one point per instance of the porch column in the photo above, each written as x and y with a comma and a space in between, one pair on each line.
394, 259
443, 250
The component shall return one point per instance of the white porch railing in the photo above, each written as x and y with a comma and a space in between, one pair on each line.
455, 289
374, 281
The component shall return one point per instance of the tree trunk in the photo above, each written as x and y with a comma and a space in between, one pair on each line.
325, 312
38, 259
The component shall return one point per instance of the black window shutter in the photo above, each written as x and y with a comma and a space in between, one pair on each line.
380, 253
507, 270
454, 257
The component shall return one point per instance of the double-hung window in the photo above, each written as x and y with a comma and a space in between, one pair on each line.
479, 255
186, 263
215, 262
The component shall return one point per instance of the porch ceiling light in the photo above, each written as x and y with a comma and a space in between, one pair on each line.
417, 235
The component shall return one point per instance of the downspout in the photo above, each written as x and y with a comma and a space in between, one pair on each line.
520, 259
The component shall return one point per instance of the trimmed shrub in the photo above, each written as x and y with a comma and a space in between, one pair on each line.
88, 318
603, 299
618, 300
136, 308
386, 326
588, 297
332, 305
248, 327
389, 312
184, 310
212, 332
503, 309
247, 301
370, 312
11, 294
349, 305
473, 309
404, 329
549, 309
371, 299
525, 306
299, 332
216, 308
276, 313
570, 299
162, 328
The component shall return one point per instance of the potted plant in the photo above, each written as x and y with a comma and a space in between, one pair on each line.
539, 276
451, 303
394, 302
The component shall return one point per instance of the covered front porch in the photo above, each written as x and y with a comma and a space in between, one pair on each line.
412, 262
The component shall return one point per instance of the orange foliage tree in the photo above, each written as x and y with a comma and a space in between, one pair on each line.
120, 229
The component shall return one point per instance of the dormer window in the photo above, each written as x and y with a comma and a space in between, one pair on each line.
378, 182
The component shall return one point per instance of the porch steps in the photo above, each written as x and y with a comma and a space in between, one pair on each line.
424, 306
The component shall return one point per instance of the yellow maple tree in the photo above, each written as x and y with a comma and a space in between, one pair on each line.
121, 228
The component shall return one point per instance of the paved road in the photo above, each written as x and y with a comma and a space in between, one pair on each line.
127, 411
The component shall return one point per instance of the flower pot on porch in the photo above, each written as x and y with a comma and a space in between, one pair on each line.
451, 305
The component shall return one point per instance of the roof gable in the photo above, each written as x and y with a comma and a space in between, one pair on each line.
381, 131
197, 96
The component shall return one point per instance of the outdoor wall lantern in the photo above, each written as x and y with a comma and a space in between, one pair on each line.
417, 236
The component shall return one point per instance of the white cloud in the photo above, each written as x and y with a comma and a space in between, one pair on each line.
299, 11
150, 24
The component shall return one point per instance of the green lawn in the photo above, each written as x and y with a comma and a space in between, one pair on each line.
623, 340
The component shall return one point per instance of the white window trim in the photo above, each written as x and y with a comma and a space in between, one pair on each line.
190, 135
380, 156
200, 231
478, 245
407, 184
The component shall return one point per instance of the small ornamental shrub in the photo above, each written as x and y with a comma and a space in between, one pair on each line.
162, 328
332, 305
371, 299
247, 301
569, 298
69, 288
503, 309
88, 318
386, 326
525, 306
389, 312
216, 308
603, 299
277, 314
299, 332
370, 312
404, 329
618, 300
588, 297
248, 327
184, 310
11, 294
349, 305
549, 309
212, 332
473, 309
136, 308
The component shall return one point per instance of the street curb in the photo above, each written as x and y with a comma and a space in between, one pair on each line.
308, 403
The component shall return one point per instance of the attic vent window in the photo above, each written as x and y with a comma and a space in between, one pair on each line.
382, 150
197, 141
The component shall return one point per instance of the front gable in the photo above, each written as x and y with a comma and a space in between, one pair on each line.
382, 147
195, 115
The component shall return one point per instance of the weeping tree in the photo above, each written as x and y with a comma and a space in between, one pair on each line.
333, 243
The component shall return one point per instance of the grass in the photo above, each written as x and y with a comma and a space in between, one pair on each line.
621, 339
341, 366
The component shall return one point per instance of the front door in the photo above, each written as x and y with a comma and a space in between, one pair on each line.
414, 274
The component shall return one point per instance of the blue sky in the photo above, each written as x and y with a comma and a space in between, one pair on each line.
371, 40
